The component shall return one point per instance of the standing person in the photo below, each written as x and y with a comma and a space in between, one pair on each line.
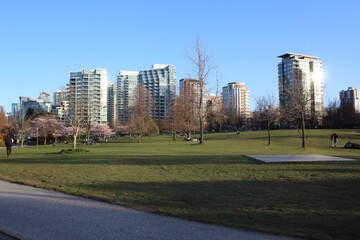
8, 144
334, 139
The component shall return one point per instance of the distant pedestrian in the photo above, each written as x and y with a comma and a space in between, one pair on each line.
8, 143
334, 139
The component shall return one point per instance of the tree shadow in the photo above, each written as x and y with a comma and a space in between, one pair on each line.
138, 160
283, 206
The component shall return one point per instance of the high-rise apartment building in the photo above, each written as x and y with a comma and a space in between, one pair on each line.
88, 93
111, 104
236, 100
126, 84
351, 96
61, 96
298, 71
160, 81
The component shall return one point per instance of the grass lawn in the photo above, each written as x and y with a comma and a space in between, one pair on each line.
214, 182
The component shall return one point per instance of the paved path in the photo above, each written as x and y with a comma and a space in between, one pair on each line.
298, 158
33, 213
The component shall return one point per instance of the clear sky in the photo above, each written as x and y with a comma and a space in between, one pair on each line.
41, 41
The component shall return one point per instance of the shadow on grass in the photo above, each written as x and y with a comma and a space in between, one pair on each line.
137, 160
326, 209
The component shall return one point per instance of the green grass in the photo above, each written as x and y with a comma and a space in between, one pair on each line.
214, 182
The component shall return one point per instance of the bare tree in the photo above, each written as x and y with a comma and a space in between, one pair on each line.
268, 112
203, 67
185, 111
300, 106
75, 116
22, 119
140, 122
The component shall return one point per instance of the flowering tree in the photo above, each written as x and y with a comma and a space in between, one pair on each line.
101, 129
44, 125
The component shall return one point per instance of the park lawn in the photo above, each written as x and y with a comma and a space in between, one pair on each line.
214, 182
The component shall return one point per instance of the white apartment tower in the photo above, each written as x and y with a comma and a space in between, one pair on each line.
236, 100
88, 93
305, 72
351, 96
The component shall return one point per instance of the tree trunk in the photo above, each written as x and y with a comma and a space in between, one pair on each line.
201, 132
269, 136
303, 131
174, 136
74, 141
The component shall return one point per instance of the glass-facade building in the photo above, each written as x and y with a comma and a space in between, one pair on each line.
306, 73
160, 81
111, 104
125, 92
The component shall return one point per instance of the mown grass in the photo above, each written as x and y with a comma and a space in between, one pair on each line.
214, 182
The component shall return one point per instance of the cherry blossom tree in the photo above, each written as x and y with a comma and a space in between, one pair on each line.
44, 125
101, 130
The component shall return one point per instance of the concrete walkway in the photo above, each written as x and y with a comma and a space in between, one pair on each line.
298, 158
32, 213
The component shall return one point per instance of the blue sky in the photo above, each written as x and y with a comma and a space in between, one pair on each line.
41, 41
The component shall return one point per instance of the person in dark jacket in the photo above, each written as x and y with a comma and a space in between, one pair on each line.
8, 144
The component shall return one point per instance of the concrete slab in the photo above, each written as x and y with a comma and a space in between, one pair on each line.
298, 158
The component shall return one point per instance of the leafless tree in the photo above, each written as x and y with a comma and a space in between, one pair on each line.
185, 110
22, 119
202, 67
75, 116
140, 122
299, 106
268, 112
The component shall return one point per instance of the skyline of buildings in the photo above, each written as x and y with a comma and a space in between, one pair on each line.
109, 102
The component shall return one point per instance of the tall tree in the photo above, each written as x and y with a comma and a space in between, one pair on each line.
185, 113
202, 67
22, 119
140, 122
300, 106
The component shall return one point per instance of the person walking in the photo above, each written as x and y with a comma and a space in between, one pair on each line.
8, 144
